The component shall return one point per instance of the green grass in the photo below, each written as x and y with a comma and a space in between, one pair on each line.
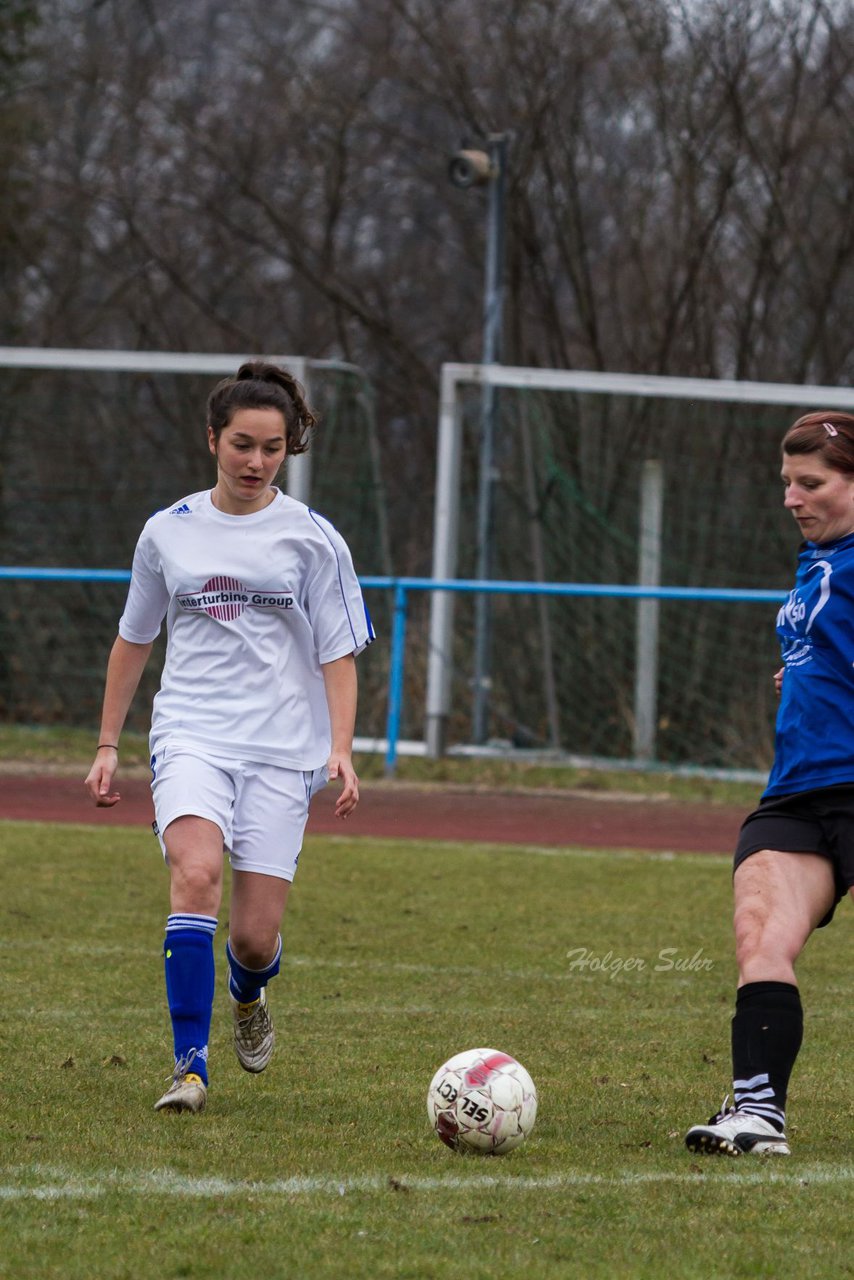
57, 745
61, 744
399, 955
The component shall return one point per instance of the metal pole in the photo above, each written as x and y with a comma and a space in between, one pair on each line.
445, 539
646, 637
538, 557
298, 468
492, 319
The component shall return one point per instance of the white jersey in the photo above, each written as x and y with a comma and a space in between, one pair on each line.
254, 604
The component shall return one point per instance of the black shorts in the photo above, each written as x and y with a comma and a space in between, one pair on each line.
819, 821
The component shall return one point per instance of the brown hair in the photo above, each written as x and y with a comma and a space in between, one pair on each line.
826, 432
258, 385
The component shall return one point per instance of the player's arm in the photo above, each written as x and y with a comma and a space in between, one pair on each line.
124, 670
339, 677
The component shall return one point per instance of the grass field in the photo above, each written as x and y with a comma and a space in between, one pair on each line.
61, 746
608, 975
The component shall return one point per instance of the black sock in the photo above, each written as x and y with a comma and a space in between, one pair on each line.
766, 1035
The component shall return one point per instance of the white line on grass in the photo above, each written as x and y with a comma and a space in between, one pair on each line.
165, 1182
49, 1013
626, 855
458, 848
479, 972
667, 970
96, 951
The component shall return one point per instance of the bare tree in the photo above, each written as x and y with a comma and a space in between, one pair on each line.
271, 175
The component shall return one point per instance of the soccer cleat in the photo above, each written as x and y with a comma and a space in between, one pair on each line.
187, 1092
736, 1133
253, 1032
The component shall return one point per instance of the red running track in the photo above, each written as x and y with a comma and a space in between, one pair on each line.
431, 813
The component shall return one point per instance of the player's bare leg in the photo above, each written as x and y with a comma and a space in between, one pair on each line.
780, 898
195, 855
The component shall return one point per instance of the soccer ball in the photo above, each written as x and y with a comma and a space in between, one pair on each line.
482, 1101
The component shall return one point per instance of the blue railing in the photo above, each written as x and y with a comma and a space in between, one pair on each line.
402, 588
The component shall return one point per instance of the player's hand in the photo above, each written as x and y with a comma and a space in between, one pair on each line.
340, 766
778, 680
100, 777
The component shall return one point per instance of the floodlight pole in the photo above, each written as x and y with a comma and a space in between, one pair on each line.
493, 306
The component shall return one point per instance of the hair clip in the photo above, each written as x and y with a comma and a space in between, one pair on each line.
830, 428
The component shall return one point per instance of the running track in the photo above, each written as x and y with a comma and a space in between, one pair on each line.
395, 810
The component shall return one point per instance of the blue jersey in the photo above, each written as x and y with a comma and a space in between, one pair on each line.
814, 744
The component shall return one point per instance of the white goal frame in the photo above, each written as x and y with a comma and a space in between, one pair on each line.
449, 445
75, 359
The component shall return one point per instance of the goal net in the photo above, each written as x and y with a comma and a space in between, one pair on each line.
614, 479
94, 442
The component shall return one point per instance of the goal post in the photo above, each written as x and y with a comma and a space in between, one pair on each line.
693, 392
298, 475
95, 440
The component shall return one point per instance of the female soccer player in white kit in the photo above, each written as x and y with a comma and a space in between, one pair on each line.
255, 711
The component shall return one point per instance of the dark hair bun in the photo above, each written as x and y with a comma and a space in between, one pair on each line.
261, 385
258, 369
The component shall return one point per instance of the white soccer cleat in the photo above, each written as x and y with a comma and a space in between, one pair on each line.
736, 1133
187, 1092
253, 1032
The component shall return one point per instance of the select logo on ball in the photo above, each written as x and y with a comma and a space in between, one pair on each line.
482, 1101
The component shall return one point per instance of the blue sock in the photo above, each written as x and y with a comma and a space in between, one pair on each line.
245, 984
189, 965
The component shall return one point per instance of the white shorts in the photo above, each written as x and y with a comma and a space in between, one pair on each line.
260, 809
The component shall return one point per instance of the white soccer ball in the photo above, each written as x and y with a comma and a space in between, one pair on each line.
482, 1100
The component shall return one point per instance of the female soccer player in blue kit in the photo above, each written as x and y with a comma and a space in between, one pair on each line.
795, 855
255, 711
